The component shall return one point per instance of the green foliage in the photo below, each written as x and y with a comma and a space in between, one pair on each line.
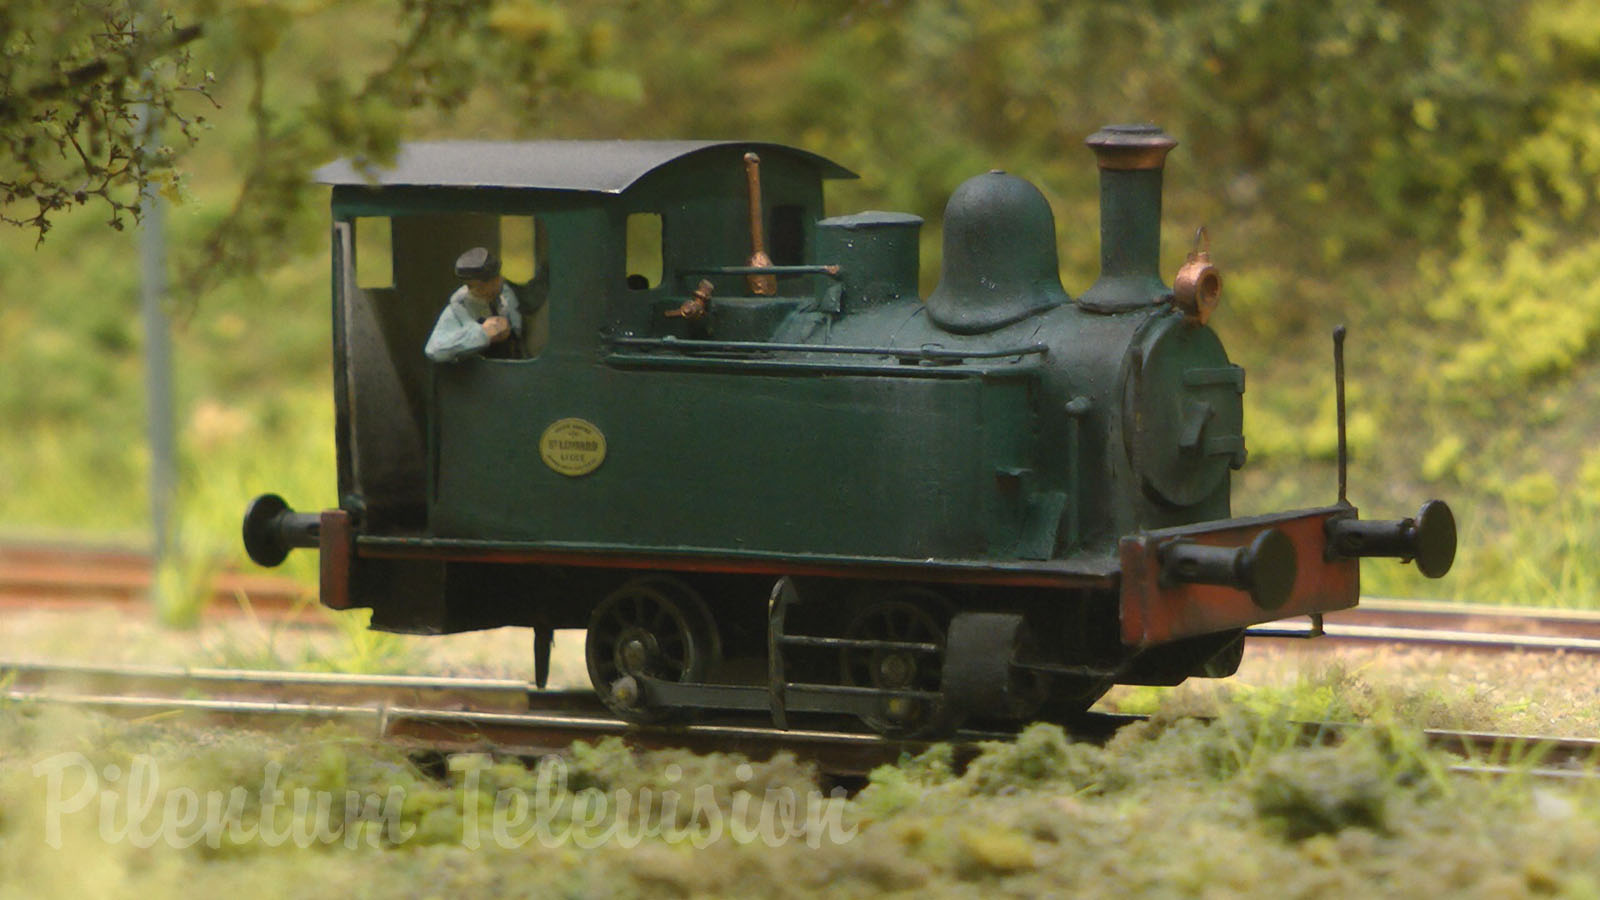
891, 789
1394, 167
1519, 312
394, 62
1041, 754
73, 79
364, 651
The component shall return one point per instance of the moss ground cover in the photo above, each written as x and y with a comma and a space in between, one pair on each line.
1176, 808
93, 807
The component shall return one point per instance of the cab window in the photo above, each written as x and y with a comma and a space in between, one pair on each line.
644, 251
374, 253
525, 262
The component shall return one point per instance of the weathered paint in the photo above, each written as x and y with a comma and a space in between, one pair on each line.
336, 543
1156, 613
787, 462
1079, 573
1020, 452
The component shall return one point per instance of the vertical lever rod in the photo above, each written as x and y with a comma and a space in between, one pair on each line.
760, 285
1338, 383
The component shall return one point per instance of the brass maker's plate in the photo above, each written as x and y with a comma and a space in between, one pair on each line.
572, 447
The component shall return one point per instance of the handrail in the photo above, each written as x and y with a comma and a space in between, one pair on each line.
831, 270
925, 352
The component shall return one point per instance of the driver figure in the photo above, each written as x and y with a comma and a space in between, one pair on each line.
483, 317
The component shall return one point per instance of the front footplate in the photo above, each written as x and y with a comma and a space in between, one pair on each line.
1160, 604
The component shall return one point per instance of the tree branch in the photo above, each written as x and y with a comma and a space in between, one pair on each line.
135, 58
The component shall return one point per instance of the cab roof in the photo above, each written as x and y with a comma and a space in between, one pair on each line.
608, 167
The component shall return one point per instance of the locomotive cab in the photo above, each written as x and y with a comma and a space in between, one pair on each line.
597, 244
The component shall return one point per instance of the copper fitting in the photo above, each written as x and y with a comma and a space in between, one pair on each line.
1130, 147
760, 285
698, 304
1198, 284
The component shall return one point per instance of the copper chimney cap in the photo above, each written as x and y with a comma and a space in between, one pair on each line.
1131, 147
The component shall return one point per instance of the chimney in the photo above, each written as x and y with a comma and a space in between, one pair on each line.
1131, 159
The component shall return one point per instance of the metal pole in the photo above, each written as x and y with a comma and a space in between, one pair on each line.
157, 356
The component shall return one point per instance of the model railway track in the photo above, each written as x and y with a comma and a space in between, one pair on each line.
331, 689
520, 734
1450, 626
61, 574
441, 714
1471, 617
1492, 753
1545, 757
469, 714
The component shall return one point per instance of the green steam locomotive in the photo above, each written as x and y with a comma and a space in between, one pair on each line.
732, 441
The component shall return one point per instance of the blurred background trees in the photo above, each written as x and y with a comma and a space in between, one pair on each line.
1422, 170
75, 80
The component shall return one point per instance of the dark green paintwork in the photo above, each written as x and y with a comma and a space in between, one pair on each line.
706, 458
1130, 242
999, 264
877, 254
1026, 457
992, 471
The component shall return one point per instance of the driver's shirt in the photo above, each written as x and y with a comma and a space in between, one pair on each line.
459, 331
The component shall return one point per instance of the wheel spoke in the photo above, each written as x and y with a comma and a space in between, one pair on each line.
914, 617
670, 619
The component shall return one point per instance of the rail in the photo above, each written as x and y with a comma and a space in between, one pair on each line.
561, 718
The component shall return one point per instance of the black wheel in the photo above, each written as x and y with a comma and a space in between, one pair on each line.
911, 615
983, 674
655, 626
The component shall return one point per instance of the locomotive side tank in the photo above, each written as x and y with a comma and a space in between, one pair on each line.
785, 482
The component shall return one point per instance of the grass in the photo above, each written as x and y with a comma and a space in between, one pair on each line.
354, 649
1174, 807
